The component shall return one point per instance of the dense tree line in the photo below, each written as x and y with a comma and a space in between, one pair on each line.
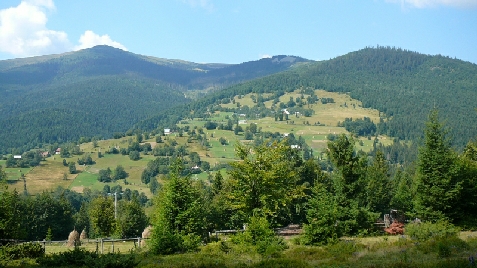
54, 215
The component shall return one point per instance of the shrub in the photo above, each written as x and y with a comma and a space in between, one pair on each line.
444, 247
259, 235
165, 242
83, 258
20, 251
190, 242
344, 249
427, 230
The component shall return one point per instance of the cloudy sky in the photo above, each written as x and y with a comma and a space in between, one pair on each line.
228, 31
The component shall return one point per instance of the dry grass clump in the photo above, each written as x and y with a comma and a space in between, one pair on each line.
74, 239
83, 235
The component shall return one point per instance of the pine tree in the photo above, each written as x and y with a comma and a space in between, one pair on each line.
218, 183
322, 217
378, 190
437, 182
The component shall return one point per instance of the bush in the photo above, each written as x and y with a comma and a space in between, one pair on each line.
344, 249
83, 258
425, 231
190, 242
165, 242
259, 235
444, 247
20, 251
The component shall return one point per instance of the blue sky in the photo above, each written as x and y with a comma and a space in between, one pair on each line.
228, 31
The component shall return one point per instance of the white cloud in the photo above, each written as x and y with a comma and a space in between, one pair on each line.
23, 31
265, 56
205, 4
90, 39
436, 3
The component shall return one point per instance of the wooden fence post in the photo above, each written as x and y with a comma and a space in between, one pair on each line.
102, 245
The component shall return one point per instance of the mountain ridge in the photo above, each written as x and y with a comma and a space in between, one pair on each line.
403, 85
93, 79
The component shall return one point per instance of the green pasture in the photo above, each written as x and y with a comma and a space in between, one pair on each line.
16, 173
84, 179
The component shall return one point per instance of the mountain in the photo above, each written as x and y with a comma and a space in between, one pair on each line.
102, 90
403, 85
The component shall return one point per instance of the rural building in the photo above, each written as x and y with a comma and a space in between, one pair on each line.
285, 111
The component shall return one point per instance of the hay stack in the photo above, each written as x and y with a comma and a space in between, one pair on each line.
83, 235
146, 234
74, 239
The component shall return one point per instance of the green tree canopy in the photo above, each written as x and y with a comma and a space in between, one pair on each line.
265, 180
101, 215
131, 219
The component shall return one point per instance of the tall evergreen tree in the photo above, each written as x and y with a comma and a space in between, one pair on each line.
437, 182
378, 185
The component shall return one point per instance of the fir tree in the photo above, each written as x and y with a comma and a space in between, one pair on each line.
437, 182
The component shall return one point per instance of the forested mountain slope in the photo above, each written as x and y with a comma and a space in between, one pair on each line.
102, 90
403, 85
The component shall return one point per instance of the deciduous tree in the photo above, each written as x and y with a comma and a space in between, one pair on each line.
265, 180
101, 215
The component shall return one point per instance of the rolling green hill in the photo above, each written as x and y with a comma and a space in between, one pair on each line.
404, 86
102, 90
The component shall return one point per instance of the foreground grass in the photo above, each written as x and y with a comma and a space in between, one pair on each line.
381, 251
